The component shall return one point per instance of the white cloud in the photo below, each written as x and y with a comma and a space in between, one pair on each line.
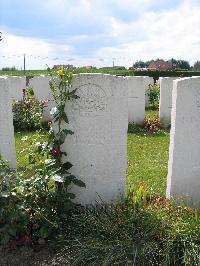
38, 52
152, 34
167, 34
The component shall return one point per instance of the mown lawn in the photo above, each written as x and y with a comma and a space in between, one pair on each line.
147, 160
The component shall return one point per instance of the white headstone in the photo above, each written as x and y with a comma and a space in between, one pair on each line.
98, 148
17, 85
42, 92
7, 139
165, 102
183, 181
136, 99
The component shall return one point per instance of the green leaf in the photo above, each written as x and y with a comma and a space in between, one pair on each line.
44, 232
62, 137
79, 183
70, 177
67, 165
71, 195
5, 239
57, 118
65, 118
68, 205
12, 231
75, 96
68, 132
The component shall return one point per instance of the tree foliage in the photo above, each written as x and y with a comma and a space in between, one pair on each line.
197, 65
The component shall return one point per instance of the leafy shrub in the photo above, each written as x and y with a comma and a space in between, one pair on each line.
27, 112
153, 92
151, 125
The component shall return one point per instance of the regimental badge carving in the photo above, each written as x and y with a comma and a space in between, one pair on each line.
92, 101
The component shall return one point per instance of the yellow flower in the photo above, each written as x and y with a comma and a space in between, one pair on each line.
41, 163
59, 71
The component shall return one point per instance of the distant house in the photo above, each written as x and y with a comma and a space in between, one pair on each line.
160, 64
71, 67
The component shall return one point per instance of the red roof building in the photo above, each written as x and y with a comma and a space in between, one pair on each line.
160, 64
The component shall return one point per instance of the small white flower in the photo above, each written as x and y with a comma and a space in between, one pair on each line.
44, 144
37, 143
53, 110
58, 178
47, 161
24, 138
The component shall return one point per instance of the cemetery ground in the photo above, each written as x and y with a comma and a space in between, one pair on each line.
145, 230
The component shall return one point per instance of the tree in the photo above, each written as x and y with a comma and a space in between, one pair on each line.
182, 64
197, 65
139, 64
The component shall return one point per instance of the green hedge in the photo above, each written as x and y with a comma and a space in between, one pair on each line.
157, 74
154, 74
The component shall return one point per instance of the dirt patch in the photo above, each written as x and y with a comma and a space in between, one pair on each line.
24, 256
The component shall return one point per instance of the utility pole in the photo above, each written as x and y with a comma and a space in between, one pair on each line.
24, 64
113, 62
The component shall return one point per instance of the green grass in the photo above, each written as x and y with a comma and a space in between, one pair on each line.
148, 159
151, 113
23, 145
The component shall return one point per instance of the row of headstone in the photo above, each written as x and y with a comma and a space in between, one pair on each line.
14, 87
99, 119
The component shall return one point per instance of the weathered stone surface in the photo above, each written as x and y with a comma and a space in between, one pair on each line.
42, 92
165, 103
7, 140
98, 148
183, 181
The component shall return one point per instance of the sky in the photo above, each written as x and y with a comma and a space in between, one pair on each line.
97, 32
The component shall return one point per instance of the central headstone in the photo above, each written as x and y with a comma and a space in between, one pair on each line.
98, 147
